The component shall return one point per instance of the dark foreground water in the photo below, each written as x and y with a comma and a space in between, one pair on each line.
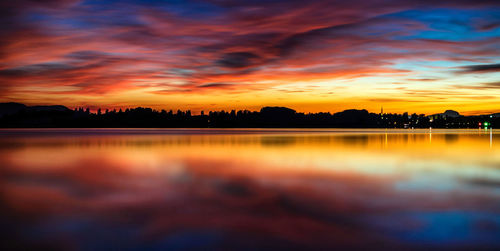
173, 189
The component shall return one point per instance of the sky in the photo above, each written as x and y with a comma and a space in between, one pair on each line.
312, 56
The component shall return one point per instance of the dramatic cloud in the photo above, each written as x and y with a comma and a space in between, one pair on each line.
482, 68
483, 86
237, 60
133, 51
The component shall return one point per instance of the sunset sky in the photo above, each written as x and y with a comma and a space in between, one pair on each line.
415, 56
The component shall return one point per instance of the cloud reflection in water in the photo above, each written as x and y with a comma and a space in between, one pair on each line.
260, 190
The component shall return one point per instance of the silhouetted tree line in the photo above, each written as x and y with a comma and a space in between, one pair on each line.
267, 117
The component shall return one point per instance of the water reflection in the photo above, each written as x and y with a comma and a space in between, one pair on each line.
178, 189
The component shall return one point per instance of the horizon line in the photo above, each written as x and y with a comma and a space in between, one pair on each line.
94, 110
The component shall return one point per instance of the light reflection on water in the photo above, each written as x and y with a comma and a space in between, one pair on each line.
290, 189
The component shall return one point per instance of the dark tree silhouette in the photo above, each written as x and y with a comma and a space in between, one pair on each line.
18, 115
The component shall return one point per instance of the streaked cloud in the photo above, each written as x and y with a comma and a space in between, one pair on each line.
131, 51
481, 68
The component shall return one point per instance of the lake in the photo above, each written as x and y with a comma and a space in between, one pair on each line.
247, 189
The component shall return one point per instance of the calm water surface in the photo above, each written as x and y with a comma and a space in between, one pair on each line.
171, 189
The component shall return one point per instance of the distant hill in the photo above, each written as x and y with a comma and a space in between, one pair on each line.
446, 114
48, 108
12, 108
277, 110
